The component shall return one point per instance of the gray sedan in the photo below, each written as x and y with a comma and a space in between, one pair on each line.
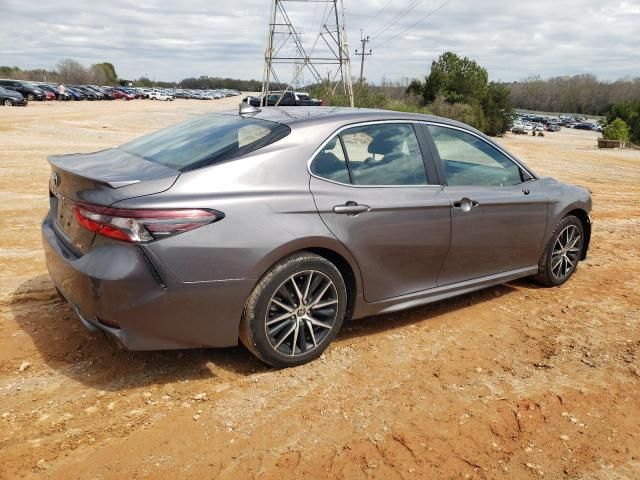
272, 227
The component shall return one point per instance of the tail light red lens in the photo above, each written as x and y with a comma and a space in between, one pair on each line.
133, 225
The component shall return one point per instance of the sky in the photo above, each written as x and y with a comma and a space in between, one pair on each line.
171, 41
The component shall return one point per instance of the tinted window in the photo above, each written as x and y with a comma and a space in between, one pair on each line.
206, 140
468, 160
384, 154
330, 163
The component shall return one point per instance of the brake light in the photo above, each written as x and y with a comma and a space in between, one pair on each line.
133, 225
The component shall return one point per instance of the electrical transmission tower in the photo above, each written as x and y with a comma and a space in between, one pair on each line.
330, 47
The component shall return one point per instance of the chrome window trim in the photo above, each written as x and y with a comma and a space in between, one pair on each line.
361, 124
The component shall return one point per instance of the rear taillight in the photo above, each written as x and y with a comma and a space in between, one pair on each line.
133, 225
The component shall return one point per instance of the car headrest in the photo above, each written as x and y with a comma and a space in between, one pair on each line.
331, 145
386, 142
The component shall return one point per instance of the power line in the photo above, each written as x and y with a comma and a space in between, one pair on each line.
371, 19
432, 12
413, 4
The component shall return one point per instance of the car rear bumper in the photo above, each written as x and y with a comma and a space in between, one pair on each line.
121, 290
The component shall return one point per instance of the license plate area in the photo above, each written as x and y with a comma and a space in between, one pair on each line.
64, 213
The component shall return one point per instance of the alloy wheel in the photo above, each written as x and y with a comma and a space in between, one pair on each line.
566, 252
301, 313
8, 102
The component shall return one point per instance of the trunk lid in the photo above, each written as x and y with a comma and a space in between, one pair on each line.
100, 178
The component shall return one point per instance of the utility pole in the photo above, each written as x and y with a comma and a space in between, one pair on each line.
363, 53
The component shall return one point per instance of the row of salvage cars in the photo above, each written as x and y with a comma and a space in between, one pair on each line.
21, 92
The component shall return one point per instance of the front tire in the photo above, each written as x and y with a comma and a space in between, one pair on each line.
295, 311
562, 253
30, 97
7, 102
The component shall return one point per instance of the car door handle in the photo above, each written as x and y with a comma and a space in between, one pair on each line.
351, 208
465, 204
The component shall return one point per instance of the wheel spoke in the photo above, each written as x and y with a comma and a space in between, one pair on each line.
279, 318
286, 335
574, 242
282, 305
568, 260
320, 295
297, 290
324, 304
296, 330
274, 331
311, 334
302, 339
317, 323
306, 287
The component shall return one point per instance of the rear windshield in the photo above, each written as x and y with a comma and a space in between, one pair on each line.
205, 141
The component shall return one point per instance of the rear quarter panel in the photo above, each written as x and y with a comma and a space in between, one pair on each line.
269, 213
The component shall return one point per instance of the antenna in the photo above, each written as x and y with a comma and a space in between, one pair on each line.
331, 41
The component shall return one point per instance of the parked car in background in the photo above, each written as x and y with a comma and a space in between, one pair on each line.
75, 94
160, 95
274, 227
102, 93
53, 89
289, 99
9, 98
553, 127
518, 127
27, 90
87, 92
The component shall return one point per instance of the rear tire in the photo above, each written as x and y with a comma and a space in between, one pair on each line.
563, 252
295, 311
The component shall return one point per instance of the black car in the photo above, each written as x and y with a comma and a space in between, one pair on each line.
11, 97
27, 90
102, 94
75, 93
585, 126
87, 92
289, 99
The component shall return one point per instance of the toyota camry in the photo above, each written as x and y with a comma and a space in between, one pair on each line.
272, 227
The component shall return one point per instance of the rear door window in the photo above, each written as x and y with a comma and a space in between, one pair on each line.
206, 140
375, 154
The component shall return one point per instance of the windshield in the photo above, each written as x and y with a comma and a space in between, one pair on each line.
205, 141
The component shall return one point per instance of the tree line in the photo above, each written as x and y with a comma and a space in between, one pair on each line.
583, 94
72, 72
67, 71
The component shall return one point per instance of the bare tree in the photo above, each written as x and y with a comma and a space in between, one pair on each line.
72, 72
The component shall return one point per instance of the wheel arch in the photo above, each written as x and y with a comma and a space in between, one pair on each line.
583, 216
329, 249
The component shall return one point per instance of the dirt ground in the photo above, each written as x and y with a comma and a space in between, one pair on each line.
514, 382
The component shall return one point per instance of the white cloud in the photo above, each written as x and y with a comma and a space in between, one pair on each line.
512, 40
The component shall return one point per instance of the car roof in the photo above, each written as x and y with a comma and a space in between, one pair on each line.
345, 115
